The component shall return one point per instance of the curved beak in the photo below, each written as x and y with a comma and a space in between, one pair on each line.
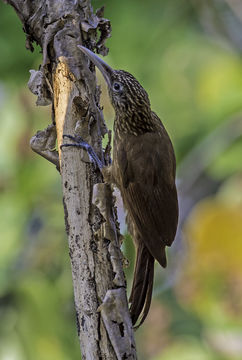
105, 69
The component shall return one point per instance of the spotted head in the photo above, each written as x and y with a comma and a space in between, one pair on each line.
126, 94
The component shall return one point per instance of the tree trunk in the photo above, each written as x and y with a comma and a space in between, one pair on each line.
69, 83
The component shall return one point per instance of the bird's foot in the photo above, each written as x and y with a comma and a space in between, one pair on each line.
81, 144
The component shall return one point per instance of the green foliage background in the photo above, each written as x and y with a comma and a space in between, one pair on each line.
187, 55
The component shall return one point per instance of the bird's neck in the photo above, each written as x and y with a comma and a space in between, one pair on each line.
135, 122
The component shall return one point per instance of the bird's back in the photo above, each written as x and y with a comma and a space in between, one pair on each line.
144, 168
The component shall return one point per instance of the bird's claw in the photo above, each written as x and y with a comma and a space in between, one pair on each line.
80, 143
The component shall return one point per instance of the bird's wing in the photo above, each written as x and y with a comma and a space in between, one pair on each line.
147, 169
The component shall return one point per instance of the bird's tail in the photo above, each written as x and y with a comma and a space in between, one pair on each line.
141, 293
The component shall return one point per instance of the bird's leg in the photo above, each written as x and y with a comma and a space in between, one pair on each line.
44, 144
80, 143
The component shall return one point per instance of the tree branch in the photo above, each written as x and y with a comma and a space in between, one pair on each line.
65, 80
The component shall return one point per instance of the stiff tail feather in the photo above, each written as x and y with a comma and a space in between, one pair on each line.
141, 293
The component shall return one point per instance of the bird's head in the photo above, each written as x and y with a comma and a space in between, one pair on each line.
126, 93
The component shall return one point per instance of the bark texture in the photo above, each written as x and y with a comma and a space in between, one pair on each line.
66, 80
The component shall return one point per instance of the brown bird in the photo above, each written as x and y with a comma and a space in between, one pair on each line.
143, 169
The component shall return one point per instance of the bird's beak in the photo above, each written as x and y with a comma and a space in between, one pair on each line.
105, 69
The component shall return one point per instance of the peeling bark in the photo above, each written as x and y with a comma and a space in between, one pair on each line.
66, 80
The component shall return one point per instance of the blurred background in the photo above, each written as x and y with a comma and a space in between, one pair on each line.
187, 55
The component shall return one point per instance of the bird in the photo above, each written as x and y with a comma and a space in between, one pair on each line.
144, 170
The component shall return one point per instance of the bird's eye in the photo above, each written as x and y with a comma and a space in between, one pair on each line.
117, 86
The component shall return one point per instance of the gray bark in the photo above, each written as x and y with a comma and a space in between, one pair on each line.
66, 81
